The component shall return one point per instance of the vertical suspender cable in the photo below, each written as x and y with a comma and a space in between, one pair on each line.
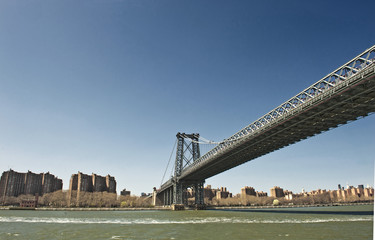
170, 157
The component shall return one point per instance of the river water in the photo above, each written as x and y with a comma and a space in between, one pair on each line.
344, 222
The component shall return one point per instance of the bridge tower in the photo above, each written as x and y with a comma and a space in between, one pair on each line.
187, 152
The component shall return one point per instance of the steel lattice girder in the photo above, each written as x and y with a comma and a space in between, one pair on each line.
307, 124
314, 110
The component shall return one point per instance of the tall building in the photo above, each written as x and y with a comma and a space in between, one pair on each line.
247, 191
80, 183
125, 193
13, 184
92, 183
110, 184
277, 192
33, 183
209, 193
223, 193
50, 183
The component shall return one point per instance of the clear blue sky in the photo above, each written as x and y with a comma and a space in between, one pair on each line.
104, 86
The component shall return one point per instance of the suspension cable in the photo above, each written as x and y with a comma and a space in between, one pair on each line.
170, 157
206, 141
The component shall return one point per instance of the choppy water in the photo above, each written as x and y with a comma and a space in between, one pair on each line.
350, 222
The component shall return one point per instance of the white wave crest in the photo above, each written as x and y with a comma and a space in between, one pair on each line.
164, 221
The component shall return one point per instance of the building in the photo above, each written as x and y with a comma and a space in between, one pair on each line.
82, 183
30, 203
277, 192
125, 193
368, 192
50, 183
144, 195
13, 184
343, 194
92, 183
209, 193
250, 191
247, 191
33, 183
110, 183
261, 194
223, 193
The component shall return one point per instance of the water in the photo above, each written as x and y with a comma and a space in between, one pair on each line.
345, 222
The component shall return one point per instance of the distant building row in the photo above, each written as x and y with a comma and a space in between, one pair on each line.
341, 193
277, 192
13, 184
210, 193
223, 193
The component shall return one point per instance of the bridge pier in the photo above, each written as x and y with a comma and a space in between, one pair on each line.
178, 193
167, 197
175, 194
178, 207
199, 193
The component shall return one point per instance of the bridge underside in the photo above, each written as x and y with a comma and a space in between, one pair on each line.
345, 95
166, 197
330, 110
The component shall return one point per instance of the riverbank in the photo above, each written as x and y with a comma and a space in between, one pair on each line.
287, 206
87, 209
166, 208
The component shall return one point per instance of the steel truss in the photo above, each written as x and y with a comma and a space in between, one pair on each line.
333, 82
345, 95
187, 153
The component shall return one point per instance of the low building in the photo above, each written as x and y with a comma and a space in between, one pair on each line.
125, 193
144, 195
261, 194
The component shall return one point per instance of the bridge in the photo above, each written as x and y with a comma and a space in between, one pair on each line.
344, 95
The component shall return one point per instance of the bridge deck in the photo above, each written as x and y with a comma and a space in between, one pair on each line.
333, 109
346, 100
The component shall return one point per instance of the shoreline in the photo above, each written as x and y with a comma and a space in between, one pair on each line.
87, 209
168, 208
287, 206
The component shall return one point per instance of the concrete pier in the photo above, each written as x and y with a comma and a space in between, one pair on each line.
178, 207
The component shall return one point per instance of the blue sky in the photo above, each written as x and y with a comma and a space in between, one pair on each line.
104, 86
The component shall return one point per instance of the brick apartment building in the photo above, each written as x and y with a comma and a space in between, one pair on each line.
13, 184
92, 183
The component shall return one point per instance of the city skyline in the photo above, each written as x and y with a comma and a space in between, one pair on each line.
97, 183
104, 87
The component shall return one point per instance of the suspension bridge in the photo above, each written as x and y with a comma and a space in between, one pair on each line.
344, 95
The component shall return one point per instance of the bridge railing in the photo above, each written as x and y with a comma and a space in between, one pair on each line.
334, 79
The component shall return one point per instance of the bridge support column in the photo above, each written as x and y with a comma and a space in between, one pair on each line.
165, 198
154, 197
178, 193
199, 193
186, 154
168, 197
178, 207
